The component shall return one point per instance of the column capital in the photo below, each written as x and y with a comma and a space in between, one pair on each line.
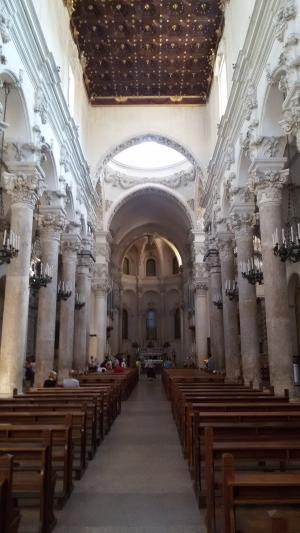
25, 184
225, 246
100, 286
70, 244
243, 224
200, 286
51, 222
267, 179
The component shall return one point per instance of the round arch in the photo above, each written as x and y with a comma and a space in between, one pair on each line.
17, 117
147, 137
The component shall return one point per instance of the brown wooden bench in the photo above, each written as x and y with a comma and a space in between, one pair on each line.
9, 514
78, 424
62, 450
257, 489
33, 478
283, 452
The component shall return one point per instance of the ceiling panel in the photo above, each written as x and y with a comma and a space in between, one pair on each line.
151, 51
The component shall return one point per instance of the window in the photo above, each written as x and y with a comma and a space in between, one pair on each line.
126, 266
124, 324
151, 267
151, 325
175, 266
222, 79
177, 325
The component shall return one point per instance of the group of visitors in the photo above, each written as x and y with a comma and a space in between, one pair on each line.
116, 364
69, 382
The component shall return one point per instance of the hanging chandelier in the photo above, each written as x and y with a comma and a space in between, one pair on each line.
286, 243
10, 246
252, 270
217, 299
63, 291
232, 290
40, 274
78, 303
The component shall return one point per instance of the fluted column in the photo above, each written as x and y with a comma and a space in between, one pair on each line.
230, 309
24, 186
242, 223
83, 288
216, 315
70, 247
51, 226
268, 181
201, 288
100, 287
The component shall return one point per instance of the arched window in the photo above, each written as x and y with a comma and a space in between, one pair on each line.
151, 325
175, 266
151, 267
124, 324
177, 325
126, 266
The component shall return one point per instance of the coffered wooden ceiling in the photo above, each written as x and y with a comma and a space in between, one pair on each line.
147, 51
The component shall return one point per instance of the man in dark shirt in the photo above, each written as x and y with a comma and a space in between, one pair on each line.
51, 381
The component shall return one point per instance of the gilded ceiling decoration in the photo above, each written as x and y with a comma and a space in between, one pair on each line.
147, 51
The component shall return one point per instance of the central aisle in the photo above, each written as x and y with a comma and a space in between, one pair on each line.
138, 482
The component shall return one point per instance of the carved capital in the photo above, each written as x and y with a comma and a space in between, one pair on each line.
200, 287
225, 246
267, 148
101, 286
70, 245
52, 222
242, 196
24, 186
268, 184
242, 224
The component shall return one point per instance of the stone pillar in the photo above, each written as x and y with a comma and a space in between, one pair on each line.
268, 181
51, 226
201, 288
101, 287
70, 247
242, 223
216, 315
116, 320
230, 309
24, 187
83, 289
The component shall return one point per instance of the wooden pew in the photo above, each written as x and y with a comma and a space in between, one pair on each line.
62, 450
78, 424
33, 478
256, 489
283, 452
61, 405
9, 514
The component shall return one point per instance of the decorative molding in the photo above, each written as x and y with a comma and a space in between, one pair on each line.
243, 224
123, 181
268, 184
41, 104
24, 186
52, 222
283, 16
250, 100
229, 156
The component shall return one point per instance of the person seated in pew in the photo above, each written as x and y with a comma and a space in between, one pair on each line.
71, 382
51, 381
101, 368
211, 365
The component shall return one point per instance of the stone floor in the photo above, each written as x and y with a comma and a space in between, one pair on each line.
138, 482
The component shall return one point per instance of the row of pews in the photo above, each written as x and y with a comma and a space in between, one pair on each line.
243, 451
47, 438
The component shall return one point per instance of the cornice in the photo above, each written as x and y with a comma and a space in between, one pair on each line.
28, 38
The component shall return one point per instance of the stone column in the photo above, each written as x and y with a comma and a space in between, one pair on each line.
230, 309
70, 247
100, 287
51, 226
83, 288
242, 223
268, 181
216, 315
116, 321
201, 288
24, 187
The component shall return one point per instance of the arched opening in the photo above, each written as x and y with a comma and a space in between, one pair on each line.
125, 324
151, 267
151, 325
175, 266
177, 324
126, 266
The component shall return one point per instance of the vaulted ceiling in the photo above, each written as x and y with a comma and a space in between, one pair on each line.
147, 51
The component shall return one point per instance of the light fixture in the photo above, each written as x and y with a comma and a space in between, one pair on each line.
78, 303
39, 275
286, 242
252, 270
217, 299
63, 291
232, 290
